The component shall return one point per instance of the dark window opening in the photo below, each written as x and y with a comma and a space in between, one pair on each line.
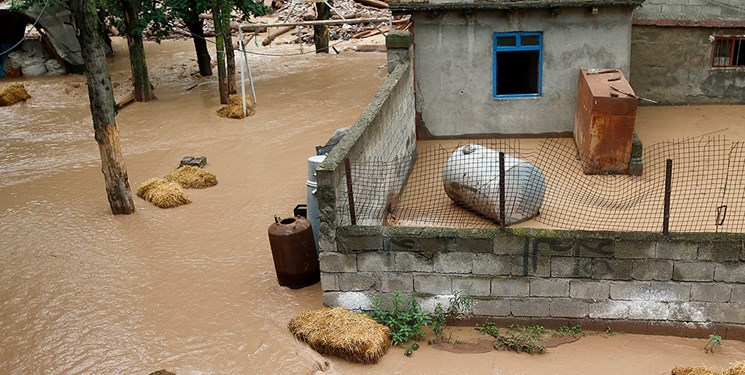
729, 52
517, 72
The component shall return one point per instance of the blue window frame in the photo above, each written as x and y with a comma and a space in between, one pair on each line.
517, 64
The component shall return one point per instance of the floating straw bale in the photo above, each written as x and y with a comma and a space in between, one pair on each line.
162, 193
162, 372
191, 177
735, 368
234, 109
342, 333
692, 371
12, 94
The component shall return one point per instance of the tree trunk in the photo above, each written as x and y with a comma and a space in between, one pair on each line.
220, 46
229, 53
142, 87
196, 27
101, 97
321, 32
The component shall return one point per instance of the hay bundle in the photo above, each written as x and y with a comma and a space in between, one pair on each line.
234, 109
692, 371
162, 193
735, 368
12, 94
191, 177
343, 333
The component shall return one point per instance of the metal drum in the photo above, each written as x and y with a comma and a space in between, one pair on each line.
294, 253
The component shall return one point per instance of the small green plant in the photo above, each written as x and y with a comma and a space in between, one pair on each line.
459, 305
609, 332
409, 349
715, 341
518, 338
404, 319
567, 331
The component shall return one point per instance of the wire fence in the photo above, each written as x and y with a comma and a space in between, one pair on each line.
446, 189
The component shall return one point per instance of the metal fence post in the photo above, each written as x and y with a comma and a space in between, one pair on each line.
668, 190
350, 193
502, 226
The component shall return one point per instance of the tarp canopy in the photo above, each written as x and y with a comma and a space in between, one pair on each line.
56, 20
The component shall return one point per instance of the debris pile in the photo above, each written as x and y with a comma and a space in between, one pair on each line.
342, 333
191, 177
163, 193
234, 108
12, 94
32, 60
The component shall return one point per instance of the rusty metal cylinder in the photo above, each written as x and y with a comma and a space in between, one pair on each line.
294, 252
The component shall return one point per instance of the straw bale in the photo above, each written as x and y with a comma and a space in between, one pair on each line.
162, 372
162, 193
12, 94
234, 109
192, 177
692, 371
735, 368
342, 333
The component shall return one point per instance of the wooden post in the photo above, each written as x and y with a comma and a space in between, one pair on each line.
143, 89
321, 32
220, 46
350, 193
101, 97
668, 190
502, 215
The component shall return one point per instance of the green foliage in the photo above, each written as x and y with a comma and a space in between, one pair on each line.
715, 341
517, 338
458, 305
404, 319
567, 331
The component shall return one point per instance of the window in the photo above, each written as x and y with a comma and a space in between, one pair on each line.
729, 52
517, 65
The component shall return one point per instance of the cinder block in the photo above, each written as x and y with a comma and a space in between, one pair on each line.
495, 265
475, 245
730, 272
595, 290
453, 262
568, 308
652, 269
571, 267
629, 290
669, 292
338, 262
405, 261
491, 307
395, 282
595, 248
432, 284
727, 313
711, 292
401, 243
649, 310
720, 251
329, 281
609, 310
531, 307
510, 287
549, 288
693, 271
539, 266
738, 294
356, 281
375, 261
359, 243
634, 250
677, 250
476, 286
348, 300
437, 244
510, 245
611, 269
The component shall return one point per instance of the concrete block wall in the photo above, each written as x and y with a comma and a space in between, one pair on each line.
688, 284
691, 9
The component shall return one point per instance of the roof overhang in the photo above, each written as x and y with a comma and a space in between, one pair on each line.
412, 5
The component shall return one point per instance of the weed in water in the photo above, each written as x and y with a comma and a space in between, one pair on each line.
567, 331
458, 306
404, 319
715, 341
518, 338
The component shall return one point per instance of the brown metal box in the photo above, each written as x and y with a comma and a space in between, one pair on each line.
604, 121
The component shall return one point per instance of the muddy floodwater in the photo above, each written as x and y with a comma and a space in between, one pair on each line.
193, 289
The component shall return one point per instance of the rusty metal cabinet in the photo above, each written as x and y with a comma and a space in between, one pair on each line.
604, 121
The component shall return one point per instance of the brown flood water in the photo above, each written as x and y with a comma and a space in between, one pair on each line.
192, 289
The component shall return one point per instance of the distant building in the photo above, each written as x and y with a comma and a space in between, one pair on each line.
689, 51
510, 66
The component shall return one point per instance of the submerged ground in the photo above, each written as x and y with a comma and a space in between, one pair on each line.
193, 289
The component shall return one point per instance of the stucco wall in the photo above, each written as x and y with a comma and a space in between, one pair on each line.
690, 9
635, 282
683, 73
454, 57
